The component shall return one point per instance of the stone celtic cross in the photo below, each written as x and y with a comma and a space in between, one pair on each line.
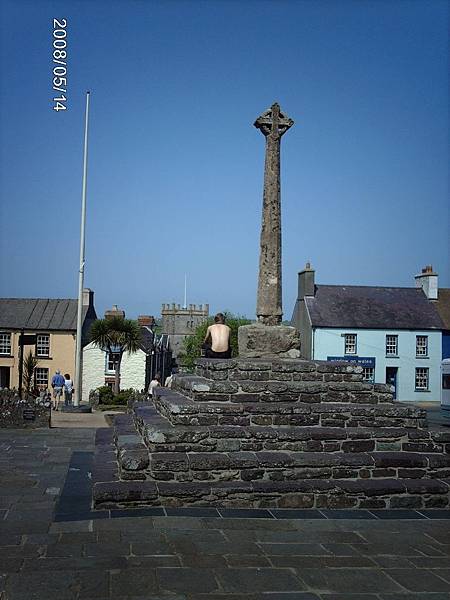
273, 124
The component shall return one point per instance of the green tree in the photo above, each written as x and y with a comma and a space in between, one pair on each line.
116, 336
193, 343
29, 366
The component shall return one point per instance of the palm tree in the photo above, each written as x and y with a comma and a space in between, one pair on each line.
29, 366
115, 336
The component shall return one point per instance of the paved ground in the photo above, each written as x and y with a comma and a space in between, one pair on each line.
183, 558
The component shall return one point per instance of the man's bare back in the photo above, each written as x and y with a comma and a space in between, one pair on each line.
220, 337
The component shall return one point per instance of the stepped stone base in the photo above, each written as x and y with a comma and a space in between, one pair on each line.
273, 433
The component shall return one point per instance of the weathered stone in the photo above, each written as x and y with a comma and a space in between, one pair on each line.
258, 340
124, 491
358, 446
134, 460
169, 461
406, 502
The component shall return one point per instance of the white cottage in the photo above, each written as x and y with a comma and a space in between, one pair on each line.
98, 365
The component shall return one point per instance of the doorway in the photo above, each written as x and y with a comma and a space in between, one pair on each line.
391, 378
4, 377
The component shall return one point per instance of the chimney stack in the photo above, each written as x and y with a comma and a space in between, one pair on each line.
88, 297
146, 321
306, 286
428, 281
114, 312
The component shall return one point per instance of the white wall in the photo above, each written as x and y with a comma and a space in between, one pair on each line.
372, 342
132, 371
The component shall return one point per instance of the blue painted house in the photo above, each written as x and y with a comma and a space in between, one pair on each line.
443, 308
394, 333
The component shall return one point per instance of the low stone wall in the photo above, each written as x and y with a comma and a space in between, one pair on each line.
26, 413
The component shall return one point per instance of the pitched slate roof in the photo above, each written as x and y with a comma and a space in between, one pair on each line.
372, 308
39, 314
443, 306
146, 339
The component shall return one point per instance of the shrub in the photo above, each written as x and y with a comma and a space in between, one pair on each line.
122, 397
193, 343
105, 395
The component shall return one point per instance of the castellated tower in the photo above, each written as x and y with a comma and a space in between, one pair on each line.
179, 322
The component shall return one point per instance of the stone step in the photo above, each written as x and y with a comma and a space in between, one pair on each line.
308, 493
284, 466
203, 389
181, 410
160, 435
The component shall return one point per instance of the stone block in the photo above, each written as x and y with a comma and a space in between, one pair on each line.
205, 461
274, 459
257, 340
406, 502
388, 446
214, 364
134, 460
422, 446
183, 489
426, 486
296, 501
253, 386
358, 446
124, 491
223, 387
399, 459
372, 487
169, 461
252, 474
228, 445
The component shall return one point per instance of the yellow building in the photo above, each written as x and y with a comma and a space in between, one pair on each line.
54, 322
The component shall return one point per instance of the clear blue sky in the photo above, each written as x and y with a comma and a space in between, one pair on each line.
176, 167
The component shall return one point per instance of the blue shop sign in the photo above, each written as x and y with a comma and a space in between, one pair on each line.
362, 361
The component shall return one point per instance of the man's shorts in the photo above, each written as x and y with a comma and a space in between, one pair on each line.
211, 354
57, 392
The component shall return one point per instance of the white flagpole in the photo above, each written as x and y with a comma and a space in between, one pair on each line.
185, 291
79, 346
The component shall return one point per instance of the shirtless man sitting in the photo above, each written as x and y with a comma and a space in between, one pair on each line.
218, 335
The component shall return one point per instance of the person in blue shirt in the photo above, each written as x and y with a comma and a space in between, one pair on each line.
57, 385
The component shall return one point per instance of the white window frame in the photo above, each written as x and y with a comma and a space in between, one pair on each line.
350, 347
43, 345
391, 342
422, 348
5, 343
369, 378
422, 379
41, 382
107, 369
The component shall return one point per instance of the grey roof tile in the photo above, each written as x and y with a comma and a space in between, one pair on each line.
39, 314
372, 307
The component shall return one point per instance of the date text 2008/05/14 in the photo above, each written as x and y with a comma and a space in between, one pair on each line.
60, 60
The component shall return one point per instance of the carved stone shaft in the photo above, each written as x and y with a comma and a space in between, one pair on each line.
269, 310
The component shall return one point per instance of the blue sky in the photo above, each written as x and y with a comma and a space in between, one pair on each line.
176, 167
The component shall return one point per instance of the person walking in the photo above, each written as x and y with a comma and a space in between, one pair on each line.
57, 385
154, 383
68, 390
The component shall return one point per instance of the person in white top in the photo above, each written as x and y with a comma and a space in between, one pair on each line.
68, 390
154, 383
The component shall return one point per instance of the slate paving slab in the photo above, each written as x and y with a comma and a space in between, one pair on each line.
154, 554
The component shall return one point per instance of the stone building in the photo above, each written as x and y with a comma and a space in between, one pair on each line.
179, 322
54, 322
394, 333
98, 364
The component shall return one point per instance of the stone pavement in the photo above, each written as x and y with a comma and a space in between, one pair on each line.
48, 551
